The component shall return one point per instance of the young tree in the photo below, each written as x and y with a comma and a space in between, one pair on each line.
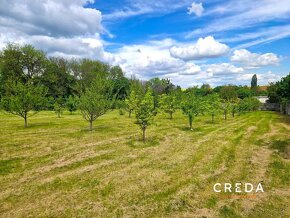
226, 107
131, 102
72, 104
96, 100
168, 103
145, 112
248, 104
21, 99
192, 106
58, 106
213, 105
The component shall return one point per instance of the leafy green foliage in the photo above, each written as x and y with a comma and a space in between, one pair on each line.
58, 108
213, 105
168, 103
280, 91
131, 102
228, 93
72, 103
192, 106
96, 100
145, 111
23, 98
248, 104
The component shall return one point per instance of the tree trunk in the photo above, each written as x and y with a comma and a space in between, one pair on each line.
130, 113
25, 121
91, 125
143, 131
212, 118
58, 114
171, 115
225, 115
233, 113
190, 122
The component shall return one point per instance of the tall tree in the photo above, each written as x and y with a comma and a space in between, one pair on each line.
57, 78
254, 82
21, 63
121, 85
21, 99
228, 93
145, 112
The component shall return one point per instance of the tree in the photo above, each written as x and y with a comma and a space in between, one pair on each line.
213, 105
21, 63
21, 99
254, 82
57, 79
228, 93
226, 106
96, 100
192, 106
131, 102
121, 85
72, 103
168, 103
58, 108
280, 92
248, 104
234, 107
145, 112
243, 92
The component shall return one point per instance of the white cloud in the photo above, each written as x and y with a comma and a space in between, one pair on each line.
196, 8
223, 69
60, 28
153, 59
254, 60
242, 14
148, 8
263, 78
204, 48
51, 18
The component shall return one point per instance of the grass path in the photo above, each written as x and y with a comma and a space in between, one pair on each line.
56, 168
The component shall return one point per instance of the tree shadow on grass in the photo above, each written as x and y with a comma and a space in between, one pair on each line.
33, 125
283, 147
97, 128
137, 142
187, 129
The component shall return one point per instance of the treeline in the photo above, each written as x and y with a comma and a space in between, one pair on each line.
30, 82
279, 92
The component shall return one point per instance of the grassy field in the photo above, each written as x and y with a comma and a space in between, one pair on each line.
56, 168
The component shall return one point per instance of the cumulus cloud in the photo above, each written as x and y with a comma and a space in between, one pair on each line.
153, 59
64, 28
206, 47
52, 18
254, 60
196, 8
263, 78
223, 69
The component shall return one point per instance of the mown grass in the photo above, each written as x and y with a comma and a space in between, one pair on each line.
57, 168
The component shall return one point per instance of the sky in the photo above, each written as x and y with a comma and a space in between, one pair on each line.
190, 42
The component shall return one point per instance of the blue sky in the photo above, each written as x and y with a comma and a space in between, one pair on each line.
191, 42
